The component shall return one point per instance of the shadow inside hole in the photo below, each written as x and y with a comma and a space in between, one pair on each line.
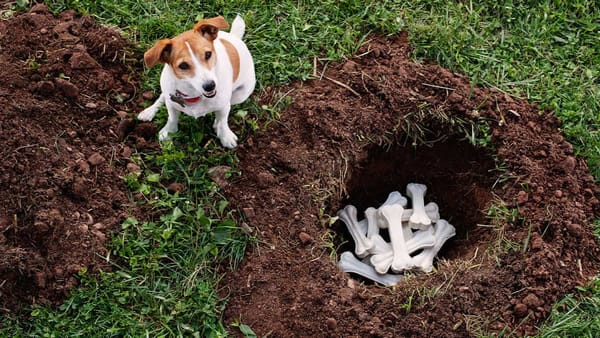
458, 178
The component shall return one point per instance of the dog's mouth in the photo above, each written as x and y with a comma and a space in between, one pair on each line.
210, 94
181, 97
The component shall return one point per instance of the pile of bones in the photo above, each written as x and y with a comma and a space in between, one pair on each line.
416, 236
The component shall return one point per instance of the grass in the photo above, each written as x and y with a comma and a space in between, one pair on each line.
166, 268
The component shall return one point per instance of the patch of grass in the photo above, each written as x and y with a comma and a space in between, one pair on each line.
576, 315
545, 51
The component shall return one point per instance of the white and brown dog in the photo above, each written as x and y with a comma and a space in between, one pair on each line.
206, 70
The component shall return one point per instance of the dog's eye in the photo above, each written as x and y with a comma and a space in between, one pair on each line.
184, 66
207, 55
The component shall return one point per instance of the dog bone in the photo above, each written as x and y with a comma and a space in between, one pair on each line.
431, 209
349, 263
395, 197
382, 259
442, 232
372, 222
362, 243
392, 214
419, 218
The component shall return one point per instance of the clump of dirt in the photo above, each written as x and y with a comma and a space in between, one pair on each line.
64, 80
370, 125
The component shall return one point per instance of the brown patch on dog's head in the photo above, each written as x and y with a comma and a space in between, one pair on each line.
209, 28
176, 51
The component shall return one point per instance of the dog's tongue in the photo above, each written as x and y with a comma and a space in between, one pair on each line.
192, 100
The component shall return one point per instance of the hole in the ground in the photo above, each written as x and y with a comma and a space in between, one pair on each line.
458, 176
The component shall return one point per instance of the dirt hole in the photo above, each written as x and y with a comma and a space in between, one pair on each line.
459, 178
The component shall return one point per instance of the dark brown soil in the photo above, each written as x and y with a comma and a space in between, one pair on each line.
62, 82
365, 127
336, 145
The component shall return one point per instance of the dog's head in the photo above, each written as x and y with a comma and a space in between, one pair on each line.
192, 58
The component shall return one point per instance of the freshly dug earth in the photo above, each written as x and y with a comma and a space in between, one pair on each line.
61, 84
369, 126
347, 138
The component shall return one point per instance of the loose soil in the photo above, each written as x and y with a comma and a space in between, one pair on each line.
370, 125
62, 82
360, 129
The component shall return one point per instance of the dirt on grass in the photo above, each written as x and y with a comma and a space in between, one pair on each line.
63, 81
370, 125
361, 129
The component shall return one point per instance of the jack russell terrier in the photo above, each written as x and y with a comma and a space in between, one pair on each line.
206, 70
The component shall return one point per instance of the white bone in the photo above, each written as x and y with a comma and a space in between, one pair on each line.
431, 209
392, 215
361, 242
382, 260
381, 246
395, 197
442, 232
419, 218
372, 222
349, 263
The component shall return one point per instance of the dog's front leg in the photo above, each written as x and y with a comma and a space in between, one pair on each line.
227, 137
172, 123
148, 113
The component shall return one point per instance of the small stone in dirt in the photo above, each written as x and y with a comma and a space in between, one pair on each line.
126, 152
84, 167
575, 229
537, 242
522, 197
568, 165
96, 159
91, 105
218, 173
133, 168
346, 294
520, 310
67, 88
125, 127
122, 114
100, 235
46, 88
305, 238
99, 226
265, 179
39, 8
175, 187
148, 95
82, 60
532, 301
558, 193
331, 323
249, 213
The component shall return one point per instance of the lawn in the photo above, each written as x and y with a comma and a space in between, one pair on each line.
166, 281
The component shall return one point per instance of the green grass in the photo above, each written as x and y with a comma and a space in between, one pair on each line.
165, 277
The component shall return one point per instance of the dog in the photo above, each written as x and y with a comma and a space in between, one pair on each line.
205, 70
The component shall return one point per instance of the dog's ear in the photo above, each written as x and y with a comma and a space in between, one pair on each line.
160, 52
209, 28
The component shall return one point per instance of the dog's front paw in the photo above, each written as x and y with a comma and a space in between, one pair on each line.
164, 134
228, 139
147, 114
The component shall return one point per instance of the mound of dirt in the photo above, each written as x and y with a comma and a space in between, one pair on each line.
371, 125
63, 80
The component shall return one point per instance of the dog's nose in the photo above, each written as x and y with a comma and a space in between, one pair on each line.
209, 86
